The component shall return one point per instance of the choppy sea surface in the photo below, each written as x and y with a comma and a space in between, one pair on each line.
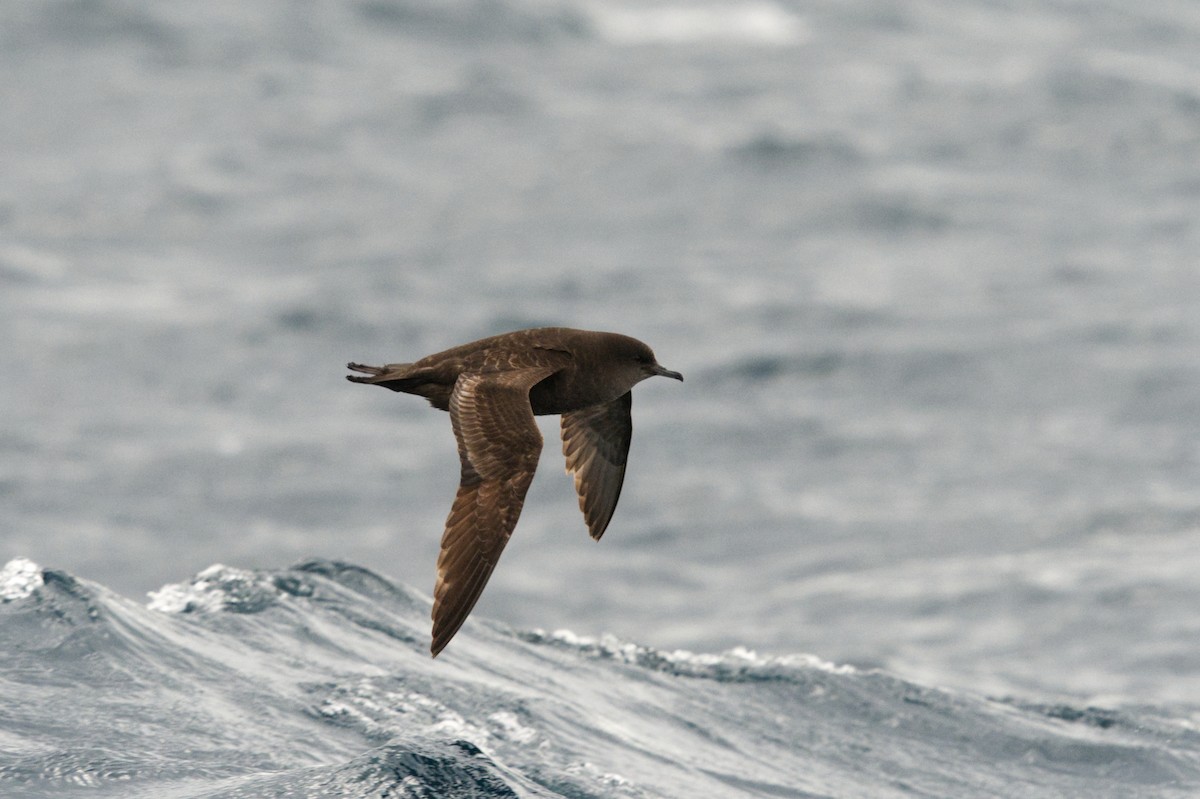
923, 520
315, 681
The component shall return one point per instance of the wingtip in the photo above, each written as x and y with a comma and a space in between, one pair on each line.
436, 645
439, 640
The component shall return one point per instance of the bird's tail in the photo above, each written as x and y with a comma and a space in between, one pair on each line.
373, 374
407, 378
393, 375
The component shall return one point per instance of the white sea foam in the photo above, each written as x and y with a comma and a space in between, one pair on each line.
19, 578
735, 662
219, 587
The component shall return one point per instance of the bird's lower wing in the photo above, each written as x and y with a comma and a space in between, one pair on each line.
596, 445
498, 447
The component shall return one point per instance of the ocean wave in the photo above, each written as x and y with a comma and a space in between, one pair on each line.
316, 681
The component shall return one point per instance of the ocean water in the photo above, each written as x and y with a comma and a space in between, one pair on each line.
315, 681
923, 520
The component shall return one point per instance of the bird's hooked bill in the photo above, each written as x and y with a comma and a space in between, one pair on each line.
663, 371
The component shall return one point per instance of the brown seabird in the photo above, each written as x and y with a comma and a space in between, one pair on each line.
493, 388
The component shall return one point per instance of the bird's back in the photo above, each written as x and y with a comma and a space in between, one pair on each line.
434, 376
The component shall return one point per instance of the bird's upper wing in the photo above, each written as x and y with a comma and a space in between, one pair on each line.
498, 446
596, 444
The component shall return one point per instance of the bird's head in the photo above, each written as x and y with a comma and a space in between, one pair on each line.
635, 361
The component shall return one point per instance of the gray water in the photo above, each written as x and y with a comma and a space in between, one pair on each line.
315, 682
930, 270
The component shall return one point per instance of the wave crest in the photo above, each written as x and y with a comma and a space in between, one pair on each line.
734, 665
217, 588
19, 578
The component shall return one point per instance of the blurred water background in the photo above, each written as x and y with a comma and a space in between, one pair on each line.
930, 269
